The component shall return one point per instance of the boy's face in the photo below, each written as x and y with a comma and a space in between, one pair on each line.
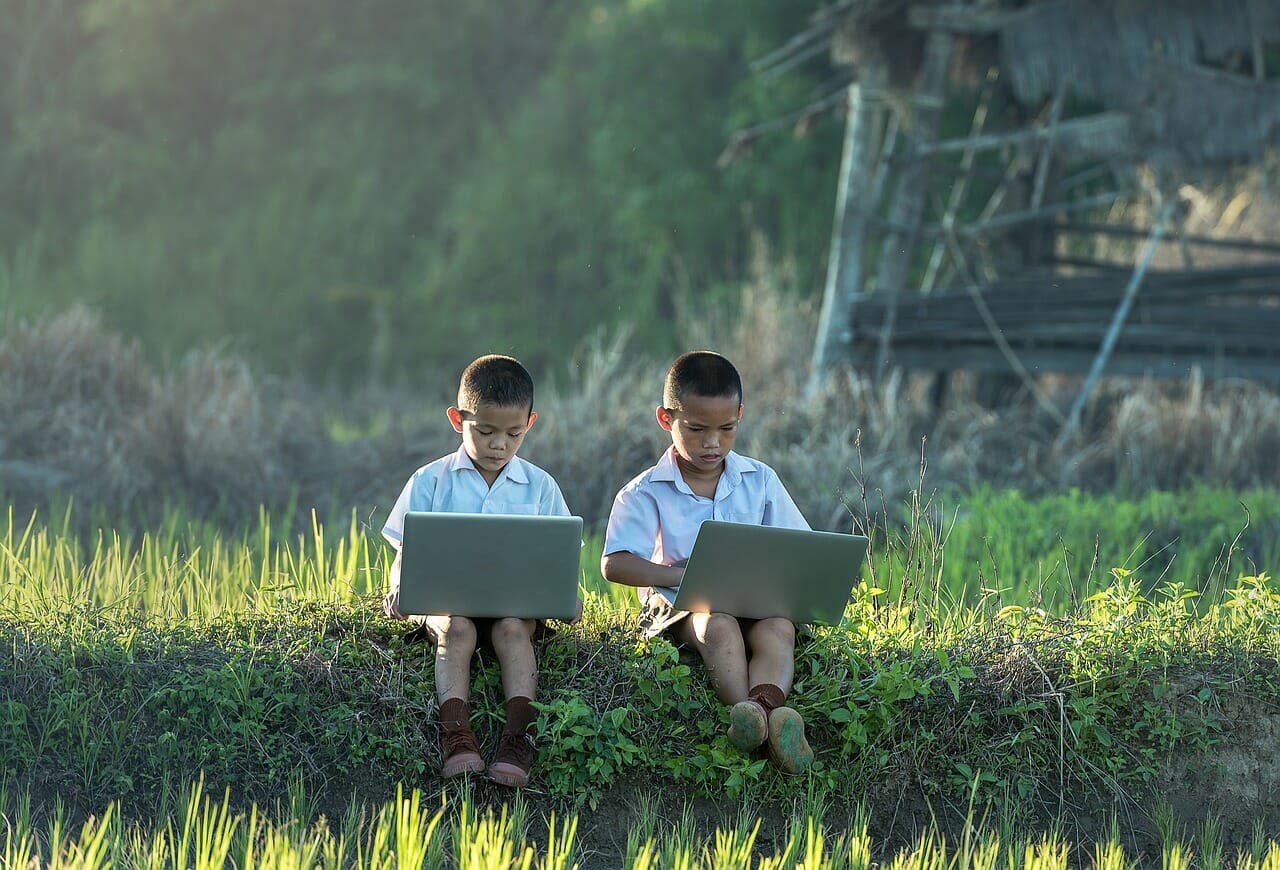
492, 434
703, 430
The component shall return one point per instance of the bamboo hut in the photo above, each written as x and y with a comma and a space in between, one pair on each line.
972, 250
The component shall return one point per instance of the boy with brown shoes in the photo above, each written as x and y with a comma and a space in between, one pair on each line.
493, 415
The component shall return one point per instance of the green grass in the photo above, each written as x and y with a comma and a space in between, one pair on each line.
137, 662
185, 567
1056, 550
946, 552
415, 830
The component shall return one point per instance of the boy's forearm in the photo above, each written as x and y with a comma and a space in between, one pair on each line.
628, 569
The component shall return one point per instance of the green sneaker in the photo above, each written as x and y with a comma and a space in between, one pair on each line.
788, 748
748, 726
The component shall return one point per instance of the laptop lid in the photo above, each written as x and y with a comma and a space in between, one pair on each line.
490, 565
756, 572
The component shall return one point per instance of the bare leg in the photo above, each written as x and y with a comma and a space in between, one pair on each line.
513, 642
718, 638
773, 648
455, 642
773, 644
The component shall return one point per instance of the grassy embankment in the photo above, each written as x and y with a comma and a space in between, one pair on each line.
134, 665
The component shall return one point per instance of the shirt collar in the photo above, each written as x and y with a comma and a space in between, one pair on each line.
734, 467
513, 471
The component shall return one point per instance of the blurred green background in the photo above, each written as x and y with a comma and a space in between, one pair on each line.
352, 192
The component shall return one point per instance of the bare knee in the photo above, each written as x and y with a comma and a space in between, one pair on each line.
512, 632
455, 633
775, 633
721, 631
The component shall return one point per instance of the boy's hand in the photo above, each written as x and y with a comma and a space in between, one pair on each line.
391, 605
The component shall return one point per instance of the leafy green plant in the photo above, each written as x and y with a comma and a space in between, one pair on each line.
581, 753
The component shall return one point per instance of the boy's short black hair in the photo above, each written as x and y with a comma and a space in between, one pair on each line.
495, 380
700, 373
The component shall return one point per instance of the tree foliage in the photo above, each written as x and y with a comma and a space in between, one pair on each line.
357, 190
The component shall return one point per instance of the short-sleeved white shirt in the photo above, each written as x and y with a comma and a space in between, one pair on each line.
657, 516
452, 484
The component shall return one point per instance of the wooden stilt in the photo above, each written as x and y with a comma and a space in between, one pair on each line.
846, 260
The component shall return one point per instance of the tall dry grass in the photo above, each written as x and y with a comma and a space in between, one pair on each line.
83, 414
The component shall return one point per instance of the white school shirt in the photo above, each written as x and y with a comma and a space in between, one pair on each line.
657, 516
452, 484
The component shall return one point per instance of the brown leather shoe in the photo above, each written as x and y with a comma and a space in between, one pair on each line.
460, 752
788, 748
513, 759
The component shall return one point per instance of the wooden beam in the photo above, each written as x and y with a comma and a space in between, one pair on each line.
1014, 218
986, 358
959, 19
1077, 134
1191, 238
817, 34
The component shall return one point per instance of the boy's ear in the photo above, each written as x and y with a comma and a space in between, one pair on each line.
455, 417
664, 418
532, 419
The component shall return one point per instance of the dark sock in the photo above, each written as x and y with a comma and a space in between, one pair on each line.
767, 695
453, 715
520, 714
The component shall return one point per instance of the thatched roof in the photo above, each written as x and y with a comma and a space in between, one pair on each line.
1101, 46
1182, 70
1167, 63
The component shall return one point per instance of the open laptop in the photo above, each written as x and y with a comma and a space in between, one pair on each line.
490, 565
756, 572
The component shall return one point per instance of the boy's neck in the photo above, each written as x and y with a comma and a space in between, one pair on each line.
702, 481
489, 477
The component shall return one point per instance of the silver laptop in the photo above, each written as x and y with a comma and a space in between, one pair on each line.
755, 572
490, 565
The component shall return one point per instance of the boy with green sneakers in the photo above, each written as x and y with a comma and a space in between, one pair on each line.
652, 527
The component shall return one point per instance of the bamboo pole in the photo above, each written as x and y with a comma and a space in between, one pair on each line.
1046, 153
1259, 49
961, 186
1072, 424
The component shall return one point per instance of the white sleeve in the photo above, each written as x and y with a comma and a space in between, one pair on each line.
551, 503
633, 524
779, 508
417, 492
